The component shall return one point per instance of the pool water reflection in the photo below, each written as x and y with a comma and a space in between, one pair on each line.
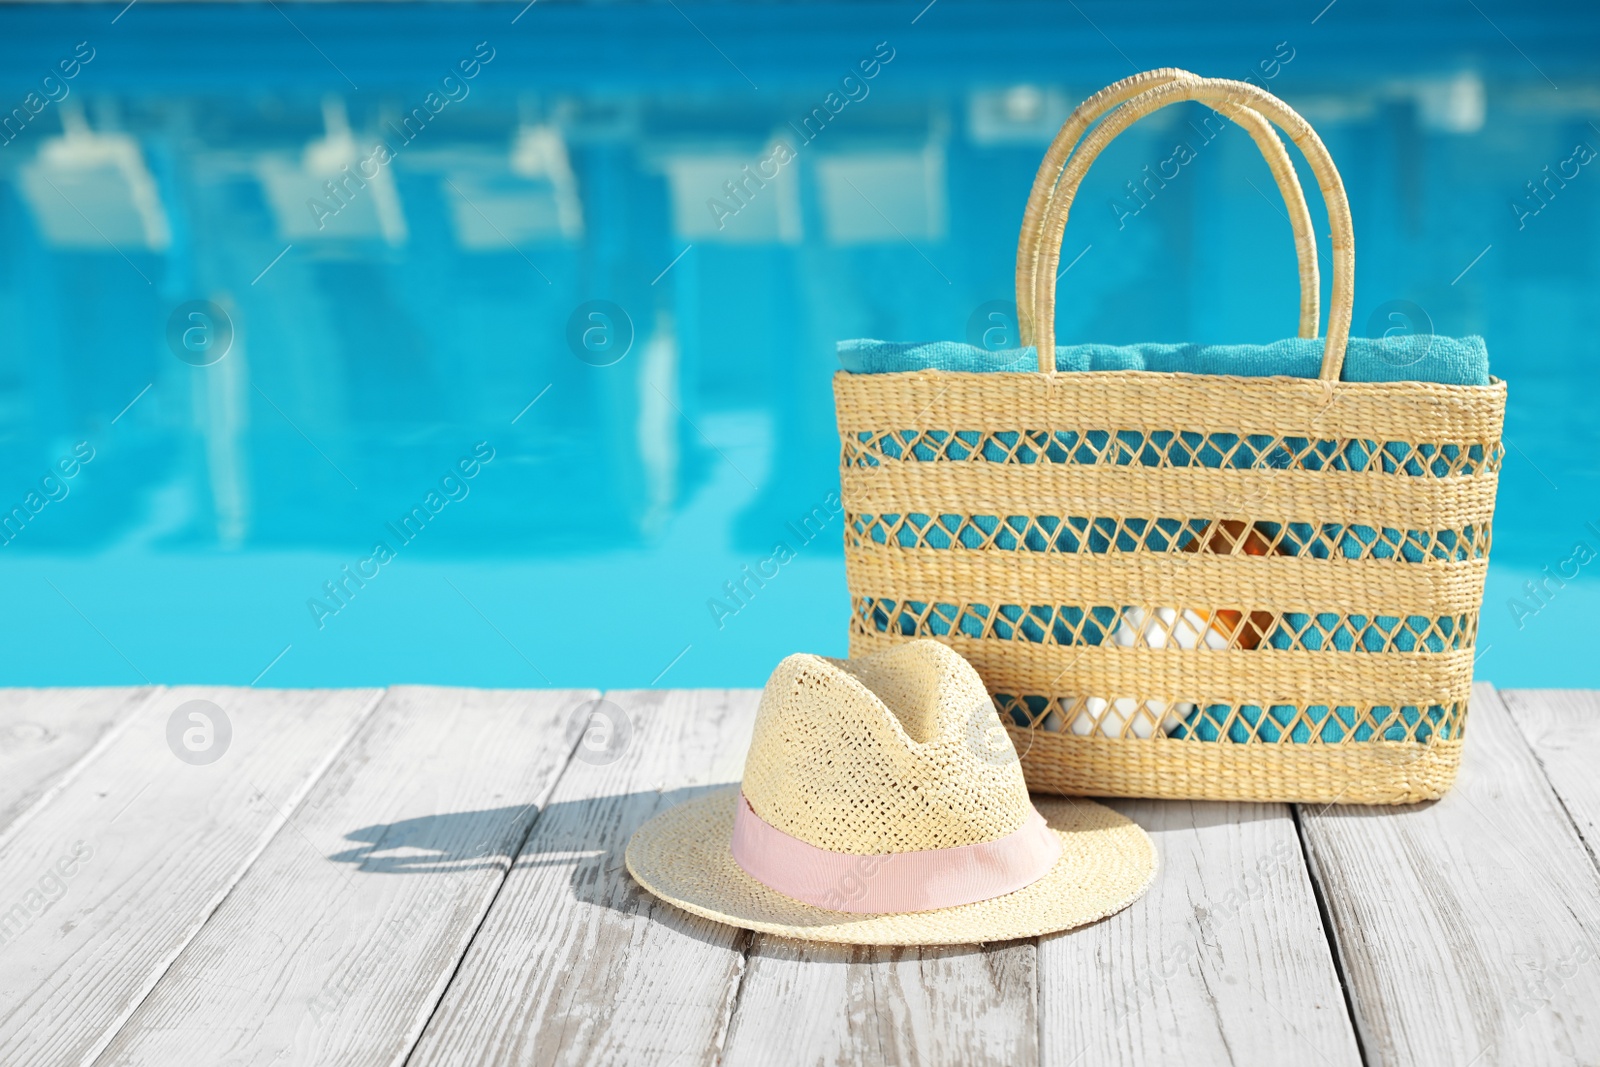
450, 355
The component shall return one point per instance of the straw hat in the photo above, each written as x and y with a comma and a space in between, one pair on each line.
883, 803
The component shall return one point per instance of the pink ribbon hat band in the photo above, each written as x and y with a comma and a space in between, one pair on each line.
896, 882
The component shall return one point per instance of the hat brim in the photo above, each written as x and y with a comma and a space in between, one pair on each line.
1107, 862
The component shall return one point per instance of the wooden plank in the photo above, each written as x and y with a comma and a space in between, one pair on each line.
575, 964
1224, 960
44, 732
336, 944
1467, 928
802, 1002
1562, 726
104, 885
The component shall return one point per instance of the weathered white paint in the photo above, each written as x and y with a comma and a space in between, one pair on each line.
1224, 960
338, 942
145, 846
576, 964
1469, 927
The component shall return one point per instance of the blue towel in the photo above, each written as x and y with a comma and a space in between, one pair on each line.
1410, 358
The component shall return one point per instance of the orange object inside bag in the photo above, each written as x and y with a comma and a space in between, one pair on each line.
1232, 537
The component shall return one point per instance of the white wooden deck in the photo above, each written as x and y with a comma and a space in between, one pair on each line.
427, 876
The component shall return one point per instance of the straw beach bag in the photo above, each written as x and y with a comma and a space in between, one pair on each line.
1180, 584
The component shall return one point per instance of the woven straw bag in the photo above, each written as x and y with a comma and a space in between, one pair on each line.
1115, 454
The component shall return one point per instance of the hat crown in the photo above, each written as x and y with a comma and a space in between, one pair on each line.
900, 751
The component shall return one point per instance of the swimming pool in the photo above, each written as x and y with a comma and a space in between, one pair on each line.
490, 345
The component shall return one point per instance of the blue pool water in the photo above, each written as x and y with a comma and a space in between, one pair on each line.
532, 295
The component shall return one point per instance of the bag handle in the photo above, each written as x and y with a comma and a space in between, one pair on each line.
1113, 96
1230, 98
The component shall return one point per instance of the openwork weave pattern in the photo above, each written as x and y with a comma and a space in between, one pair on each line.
1069, 625
1168, 448
1369, 584
1181, 585
1281, 722
1068, 533
893, 752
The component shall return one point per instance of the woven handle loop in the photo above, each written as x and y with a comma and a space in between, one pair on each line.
1260, 131
1036, 286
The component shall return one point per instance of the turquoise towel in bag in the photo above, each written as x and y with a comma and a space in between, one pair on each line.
1441, 360
1409, 358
